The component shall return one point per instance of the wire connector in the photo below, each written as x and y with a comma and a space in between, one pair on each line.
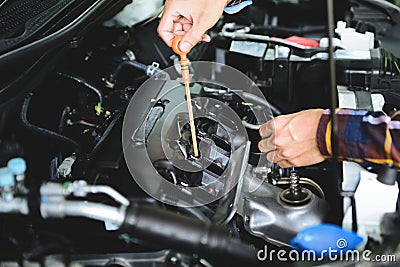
65, 169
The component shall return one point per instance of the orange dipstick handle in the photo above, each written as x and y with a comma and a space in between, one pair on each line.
175, 47
184, 62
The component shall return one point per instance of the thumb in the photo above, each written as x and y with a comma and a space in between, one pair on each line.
191, 38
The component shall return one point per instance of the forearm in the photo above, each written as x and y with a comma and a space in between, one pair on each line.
362, 135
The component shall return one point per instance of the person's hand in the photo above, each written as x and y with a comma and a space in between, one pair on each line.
291, 140
190, 18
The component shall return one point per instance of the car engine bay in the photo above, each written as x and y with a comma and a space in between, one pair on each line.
96, 161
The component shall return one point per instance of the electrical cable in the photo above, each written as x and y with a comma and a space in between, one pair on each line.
334, 96
64, 114
252, 98
251, 126
336, 173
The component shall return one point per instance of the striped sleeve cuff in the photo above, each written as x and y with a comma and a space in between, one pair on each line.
349, 133
323, 134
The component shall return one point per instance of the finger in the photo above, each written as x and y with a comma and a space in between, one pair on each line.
266, 129
266, 145
178, 28
165, 29
306, 159
192, 37
285, 164
206, 38
179, 33
272, 157
187, 26
183, 20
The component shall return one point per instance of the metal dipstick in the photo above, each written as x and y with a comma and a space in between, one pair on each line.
184, 62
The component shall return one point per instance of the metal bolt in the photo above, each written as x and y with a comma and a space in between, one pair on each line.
295, 187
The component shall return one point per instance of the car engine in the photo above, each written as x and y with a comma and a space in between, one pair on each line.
97, 166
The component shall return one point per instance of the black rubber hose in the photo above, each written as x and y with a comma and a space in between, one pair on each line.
185, 234
131, 63
84, 83
43, 131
